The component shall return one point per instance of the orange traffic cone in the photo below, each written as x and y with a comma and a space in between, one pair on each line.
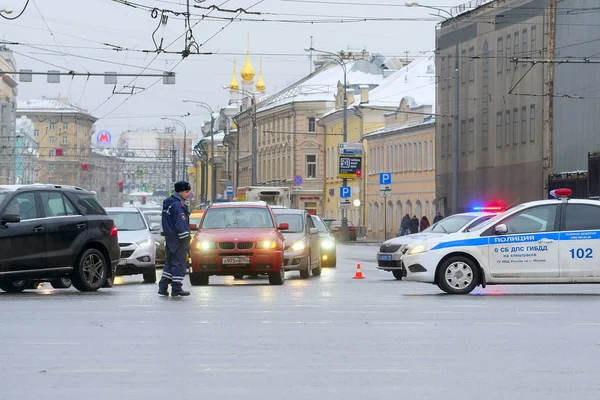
358, 274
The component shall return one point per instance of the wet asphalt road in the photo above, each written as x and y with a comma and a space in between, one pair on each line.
329, 337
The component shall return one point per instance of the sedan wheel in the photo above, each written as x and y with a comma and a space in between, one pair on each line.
61, 283
14, 286
458, 275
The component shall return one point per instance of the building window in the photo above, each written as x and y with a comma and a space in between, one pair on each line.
472, 64
532, 123
463, 65
508, 54
533, 43
471, 137
36, 133
51, 167
51, 126
442, 84
516, 126
52, 139
524, 44
499, 129
499, 55
51, 153
65, 126
524, 124
450, 145
507, 133
450, 71
485, 67
65, 140
463, 135
311, 166
443, 142
516, 45
312, 125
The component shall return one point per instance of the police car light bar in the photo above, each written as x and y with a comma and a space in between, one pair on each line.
561, 193
489, 208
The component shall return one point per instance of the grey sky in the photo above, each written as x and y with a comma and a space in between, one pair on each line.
81, 26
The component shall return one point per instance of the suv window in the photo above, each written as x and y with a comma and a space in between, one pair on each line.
89, 205
237, 217
23, 204
56, 204
536, 219
581, 217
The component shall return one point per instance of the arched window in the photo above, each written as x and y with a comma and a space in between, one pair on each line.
418, 209
390, 216
427, 214
381, 220
370, 222
398, 215
409, 208
376, 217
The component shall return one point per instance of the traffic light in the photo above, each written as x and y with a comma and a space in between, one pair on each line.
143, 187
84, 167
120, 187
143, 199
59, 152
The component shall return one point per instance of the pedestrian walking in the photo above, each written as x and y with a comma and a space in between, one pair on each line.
424, 223
405, 225
176, 226
438, 217
414, 224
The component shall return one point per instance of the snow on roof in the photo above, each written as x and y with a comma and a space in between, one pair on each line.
399, 128
415, 82
45, 105
321, 85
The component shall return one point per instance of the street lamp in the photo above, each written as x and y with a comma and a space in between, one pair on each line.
213, 184
6, 11
337, 58
184, 142
456, 102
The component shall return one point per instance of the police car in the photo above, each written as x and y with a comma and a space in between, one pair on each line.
548, 241
391, 251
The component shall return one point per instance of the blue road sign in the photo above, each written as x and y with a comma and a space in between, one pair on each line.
385, 178
345, 192
298, 180
229, 189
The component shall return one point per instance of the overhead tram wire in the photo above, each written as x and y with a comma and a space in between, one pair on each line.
18, 15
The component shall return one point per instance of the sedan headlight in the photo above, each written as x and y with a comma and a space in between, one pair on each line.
206, 245
421, 248
327, 244
299, 246
145, 242
267, 244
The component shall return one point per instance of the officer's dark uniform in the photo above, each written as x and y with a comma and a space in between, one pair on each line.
175, 222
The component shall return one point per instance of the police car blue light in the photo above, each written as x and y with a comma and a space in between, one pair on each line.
548, 241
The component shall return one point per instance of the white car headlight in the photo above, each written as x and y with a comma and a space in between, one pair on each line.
299, 246
328, 244
145, 242
421, 248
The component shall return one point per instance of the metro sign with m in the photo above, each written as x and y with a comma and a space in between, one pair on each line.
104, 137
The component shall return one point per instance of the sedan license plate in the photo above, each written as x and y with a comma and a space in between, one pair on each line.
235, 260
385, 257
123, 261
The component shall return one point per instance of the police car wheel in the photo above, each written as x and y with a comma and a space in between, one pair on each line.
398, 274
458, 275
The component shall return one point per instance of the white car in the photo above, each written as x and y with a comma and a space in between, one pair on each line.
548, 241
390, 252
138, 247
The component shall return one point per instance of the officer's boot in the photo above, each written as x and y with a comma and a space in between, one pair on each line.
179, 292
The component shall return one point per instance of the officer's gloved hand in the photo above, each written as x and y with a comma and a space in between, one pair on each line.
185, 243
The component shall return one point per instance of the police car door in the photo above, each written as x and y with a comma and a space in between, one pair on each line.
580, 241
525, 244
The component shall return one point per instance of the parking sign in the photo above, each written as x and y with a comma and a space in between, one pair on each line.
345, 192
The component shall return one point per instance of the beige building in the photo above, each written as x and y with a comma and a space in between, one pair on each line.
63, 133
8, 142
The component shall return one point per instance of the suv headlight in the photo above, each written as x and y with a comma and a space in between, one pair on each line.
299, 246
266, 244
421, 248
206, 245
327, 244
145, 242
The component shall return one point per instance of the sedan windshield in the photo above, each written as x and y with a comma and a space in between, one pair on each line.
2, 197
128, 221
293, 220
242, 217
320, 225
452, 223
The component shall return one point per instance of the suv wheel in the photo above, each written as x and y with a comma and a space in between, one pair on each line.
61, 283
91, 271
277, 278
198, 279
14, 286
150, 275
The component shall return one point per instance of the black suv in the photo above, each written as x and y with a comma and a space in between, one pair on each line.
56, 234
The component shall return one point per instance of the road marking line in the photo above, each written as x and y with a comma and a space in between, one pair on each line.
587, 323
90, 371
497, 323
50, 343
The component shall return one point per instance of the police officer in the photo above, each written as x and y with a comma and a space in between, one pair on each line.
176, 226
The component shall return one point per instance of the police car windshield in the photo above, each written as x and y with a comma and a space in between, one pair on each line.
452, 223
242, 217
128, 221
2, 197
